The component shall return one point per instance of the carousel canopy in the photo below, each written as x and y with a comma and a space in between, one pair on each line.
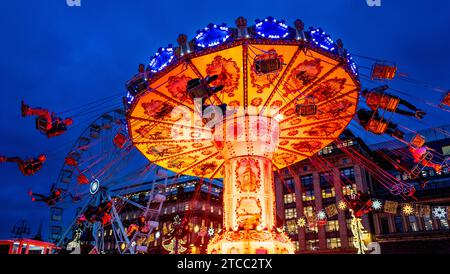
306, 84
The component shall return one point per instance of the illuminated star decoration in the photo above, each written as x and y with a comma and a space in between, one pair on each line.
321, 215
342, 205
439, 213
376, 204
211, 231
408, 209
301, 222
176, 220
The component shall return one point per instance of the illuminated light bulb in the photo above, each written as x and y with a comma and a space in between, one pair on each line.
279, 117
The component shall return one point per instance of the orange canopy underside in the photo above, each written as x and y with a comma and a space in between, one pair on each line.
152, 120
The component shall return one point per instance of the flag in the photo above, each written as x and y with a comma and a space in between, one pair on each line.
423, 211
390, 207
331, 210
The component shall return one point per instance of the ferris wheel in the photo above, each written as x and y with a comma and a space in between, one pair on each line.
96, 176
94, 159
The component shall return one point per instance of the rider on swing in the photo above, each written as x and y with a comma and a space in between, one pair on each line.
419, 157
27, 167
377, 98
372, 122
51, 125
50, 200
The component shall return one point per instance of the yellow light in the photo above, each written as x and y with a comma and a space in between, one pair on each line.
342, 205
408, 209
196, 229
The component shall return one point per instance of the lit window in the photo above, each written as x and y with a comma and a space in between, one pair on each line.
289, 198
446, 151
443, 224
413, 223
333, 243
308, 195
428, 223
328, 193
290, 213
332, 226
297, 245
312, 244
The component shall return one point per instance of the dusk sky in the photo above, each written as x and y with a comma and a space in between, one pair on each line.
60, 57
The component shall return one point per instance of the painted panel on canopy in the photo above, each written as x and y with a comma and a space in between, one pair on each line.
145, 131
337, 84
307, 68
227, 64
336, 108
282, 159
208, 167
260, 87
174, 83
323, 129
154, 106
287, 142
185, 161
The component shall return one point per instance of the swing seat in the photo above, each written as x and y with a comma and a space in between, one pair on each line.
82, 180
383, 71
418, 141
306, 110
417, 169
446, 99
267, 64
41, 125
376, 126
197, 88
70, 161
137, 84
119, 140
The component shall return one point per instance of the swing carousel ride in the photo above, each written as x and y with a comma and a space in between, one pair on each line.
237, 104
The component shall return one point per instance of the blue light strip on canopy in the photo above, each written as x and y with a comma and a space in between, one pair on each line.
212, 35
162, 58
271, 28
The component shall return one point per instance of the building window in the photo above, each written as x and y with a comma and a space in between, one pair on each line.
398, 224
308, 195
332, 226
333, 243
413, 223
290, 213
347, 174
328, 193
297, 245
289, 198
384, 225
292, 227
326, 150
289, 186
428, 223
312, 244
446, 151
443, 224
326, 179
307, 181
